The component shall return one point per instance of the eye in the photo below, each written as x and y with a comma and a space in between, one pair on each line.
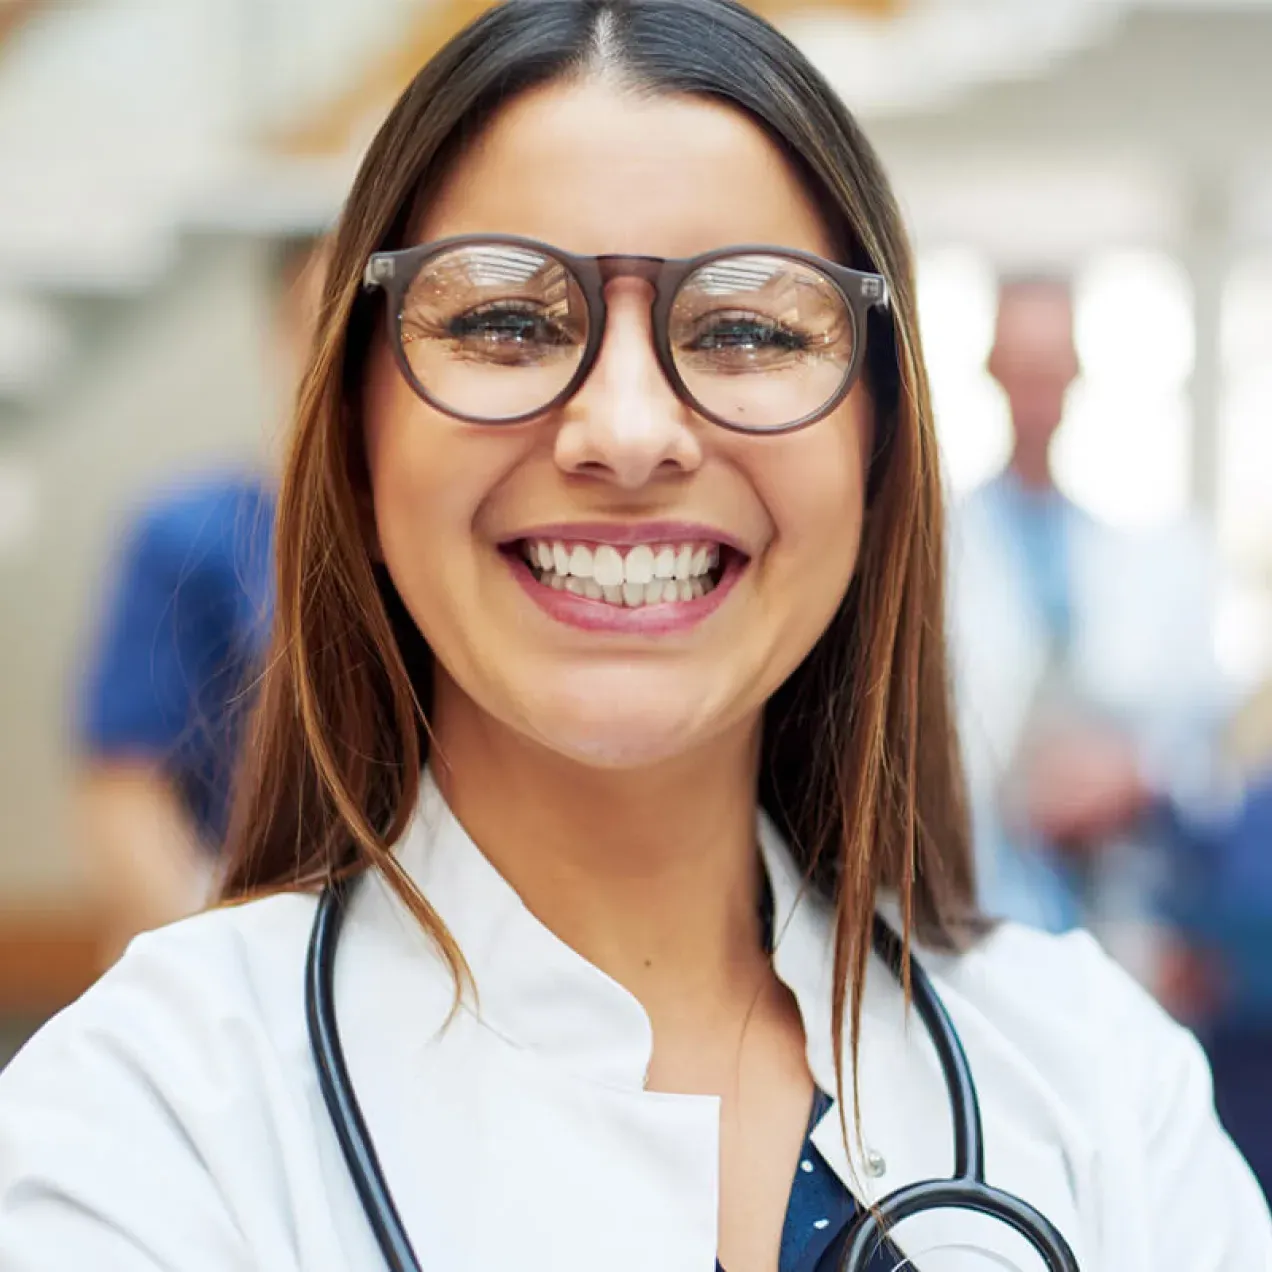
507, 324
742, 332
733, 341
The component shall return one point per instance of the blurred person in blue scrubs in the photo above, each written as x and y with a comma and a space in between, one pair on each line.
1087, 681
171, 666
1220, 902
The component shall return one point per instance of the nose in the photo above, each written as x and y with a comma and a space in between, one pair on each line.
626, 425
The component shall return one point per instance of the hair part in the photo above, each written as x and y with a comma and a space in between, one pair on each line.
859, 761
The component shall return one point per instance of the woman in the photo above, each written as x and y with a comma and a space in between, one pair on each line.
609, 675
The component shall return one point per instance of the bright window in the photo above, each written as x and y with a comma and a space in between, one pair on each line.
1124, 451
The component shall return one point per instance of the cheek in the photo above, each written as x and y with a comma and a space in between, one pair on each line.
428, 480
813, 483
403, 498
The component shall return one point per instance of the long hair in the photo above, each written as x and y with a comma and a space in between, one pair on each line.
859, 762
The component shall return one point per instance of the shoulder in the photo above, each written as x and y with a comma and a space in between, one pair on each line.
178, 1004
1059, 1015
1057, 1030
169, 1079
221, 995
1052, 994
972, 508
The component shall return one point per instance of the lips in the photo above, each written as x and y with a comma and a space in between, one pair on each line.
651, 578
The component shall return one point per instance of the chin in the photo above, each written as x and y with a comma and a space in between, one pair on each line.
616, 734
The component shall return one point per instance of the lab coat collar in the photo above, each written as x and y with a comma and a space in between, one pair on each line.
531, 988
537, 992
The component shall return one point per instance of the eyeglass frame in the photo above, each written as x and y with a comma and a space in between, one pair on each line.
393, 273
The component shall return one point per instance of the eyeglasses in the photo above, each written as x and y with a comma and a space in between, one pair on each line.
496, 329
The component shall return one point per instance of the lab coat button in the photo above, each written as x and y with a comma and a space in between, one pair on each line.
876, 1166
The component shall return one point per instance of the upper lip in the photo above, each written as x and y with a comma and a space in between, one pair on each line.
630, 533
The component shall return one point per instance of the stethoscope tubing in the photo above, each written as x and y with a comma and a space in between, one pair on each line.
337, 1088
966, 1190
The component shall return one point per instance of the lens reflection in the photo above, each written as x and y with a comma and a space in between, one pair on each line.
761, 341
494, 331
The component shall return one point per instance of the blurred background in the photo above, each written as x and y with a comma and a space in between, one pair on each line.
1089, 185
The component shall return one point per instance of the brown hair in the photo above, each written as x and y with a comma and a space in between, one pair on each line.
860, 766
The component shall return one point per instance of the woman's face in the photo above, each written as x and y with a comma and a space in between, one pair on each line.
625, 471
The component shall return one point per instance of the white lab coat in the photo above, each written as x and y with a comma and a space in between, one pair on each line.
171, 1118
1142, 654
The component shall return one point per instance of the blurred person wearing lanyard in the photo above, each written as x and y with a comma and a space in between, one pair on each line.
1087, 682
170, 671
606, 726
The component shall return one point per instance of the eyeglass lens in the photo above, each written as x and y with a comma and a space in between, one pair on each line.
496, 331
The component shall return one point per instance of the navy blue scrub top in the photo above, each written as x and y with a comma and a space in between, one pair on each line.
184, 630
819, 1211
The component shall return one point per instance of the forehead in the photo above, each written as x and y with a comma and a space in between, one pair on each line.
596, 168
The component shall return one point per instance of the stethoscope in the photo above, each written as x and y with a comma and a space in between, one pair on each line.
966, 1189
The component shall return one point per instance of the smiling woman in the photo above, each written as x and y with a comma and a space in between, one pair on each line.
608, 716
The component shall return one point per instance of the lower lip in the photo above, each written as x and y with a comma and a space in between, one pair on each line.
641, 620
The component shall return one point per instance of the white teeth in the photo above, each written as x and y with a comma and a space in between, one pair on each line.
639, 566
645, 574
684, 562
607, 566
581, 561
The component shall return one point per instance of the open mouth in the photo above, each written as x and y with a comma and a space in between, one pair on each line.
628, 577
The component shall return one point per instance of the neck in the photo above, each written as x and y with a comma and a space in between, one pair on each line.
651, 874
1032, 467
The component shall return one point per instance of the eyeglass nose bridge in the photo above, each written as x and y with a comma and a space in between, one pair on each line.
649, 269
664, 277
